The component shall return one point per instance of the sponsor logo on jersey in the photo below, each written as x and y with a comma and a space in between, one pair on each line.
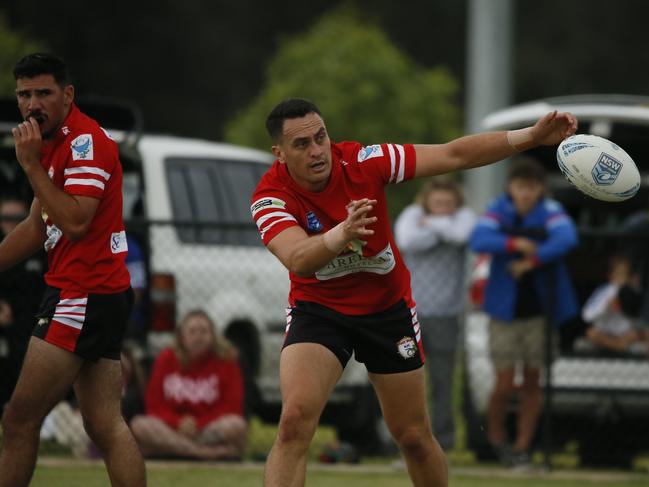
350, 263
266, 203
50, 172
407, 348
369, 152
312, 222
65, 130
606, 169
118, 242
82, 148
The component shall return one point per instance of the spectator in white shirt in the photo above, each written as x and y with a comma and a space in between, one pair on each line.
432, 234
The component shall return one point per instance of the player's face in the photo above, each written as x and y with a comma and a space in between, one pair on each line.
525, 194
41, 97
441, 202
305, 148
197, 336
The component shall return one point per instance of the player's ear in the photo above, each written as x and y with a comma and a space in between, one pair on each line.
68, 94
278, 153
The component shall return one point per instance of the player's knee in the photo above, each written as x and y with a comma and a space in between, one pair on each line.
296, 425
103, 431
415, 443
16, 419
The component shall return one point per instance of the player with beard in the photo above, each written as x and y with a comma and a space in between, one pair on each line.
74, 170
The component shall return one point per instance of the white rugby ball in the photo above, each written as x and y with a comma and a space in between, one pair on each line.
598, 167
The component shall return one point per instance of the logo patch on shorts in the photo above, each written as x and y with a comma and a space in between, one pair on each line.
407, 347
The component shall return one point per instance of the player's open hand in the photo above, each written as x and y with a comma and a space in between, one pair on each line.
29, 142
358, 219
554, 127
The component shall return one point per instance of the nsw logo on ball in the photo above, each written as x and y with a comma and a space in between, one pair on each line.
606, 169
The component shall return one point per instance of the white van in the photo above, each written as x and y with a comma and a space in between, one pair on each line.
188, 202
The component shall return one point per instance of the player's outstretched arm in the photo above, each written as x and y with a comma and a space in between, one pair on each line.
303, 255
486, 148
24, 240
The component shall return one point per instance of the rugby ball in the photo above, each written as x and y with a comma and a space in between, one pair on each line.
598, 167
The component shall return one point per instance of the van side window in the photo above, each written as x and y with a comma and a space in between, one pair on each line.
211, 199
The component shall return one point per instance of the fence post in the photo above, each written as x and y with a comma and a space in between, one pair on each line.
549, 349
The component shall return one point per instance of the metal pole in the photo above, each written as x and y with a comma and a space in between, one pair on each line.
488, 86
549, 350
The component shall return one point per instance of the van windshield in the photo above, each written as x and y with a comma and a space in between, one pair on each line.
211, 199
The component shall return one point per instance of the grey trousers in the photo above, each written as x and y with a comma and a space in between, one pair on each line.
440, 339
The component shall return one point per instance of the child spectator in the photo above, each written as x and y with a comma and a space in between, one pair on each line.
613, 307
194, 399
528, 236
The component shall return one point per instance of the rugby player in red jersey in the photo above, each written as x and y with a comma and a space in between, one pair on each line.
321, 210
74, 170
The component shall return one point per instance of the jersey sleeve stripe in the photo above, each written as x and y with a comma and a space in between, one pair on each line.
84, 182
402, 163
392, 162
268, 227
87, 170
262, 219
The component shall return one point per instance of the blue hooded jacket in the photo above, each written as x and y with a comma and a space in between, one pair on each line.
555, 234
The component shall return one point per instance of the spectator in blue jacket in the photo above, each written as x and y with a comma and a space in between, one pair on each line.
527, 235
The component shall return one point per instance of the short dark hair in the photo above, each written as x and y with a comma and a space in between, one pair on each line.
39, 63
290, 108
528, 169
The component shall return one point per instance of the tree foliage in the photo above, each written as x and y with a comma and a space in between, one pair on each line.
367, 89
14, 46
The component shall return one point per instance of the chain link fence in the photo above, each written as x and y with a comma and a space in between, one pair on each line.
595, 405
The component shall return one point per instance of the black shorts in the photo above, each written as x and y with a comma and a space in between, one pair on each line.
89, 325
386, 342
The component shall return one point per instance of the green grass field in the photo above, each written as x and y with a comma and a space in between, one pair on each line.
184, 474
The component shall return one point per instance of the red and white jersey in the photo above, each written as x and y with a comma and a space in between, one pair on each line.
361, 280
82, 160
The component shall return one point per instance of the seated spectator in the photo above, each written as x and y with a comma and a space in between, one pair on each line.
194, 398
612, 309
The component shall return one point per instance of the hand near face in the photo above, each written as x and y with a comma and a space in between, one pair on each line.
29, 142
